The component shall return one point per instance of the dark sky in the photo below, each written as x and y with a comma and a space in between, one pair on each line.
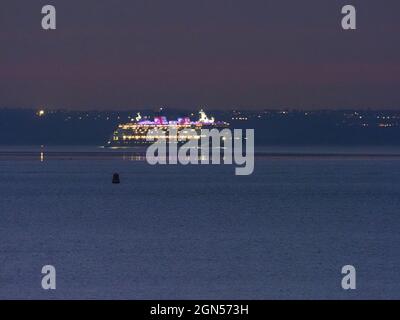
118, 54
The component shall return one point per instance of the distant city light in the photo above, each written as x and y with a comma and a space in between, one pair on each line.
41, 113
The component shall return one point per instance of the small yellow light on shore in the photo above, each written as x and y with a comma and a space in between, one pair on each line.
41, 113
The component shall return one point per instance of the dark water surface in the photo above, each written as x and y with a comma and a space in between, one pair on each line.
200, 232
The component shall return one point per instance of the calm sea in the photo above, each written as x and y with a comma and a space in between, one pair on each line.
200, 232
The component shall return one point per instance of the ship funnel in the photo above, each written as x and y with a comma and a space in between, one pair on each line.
204, 118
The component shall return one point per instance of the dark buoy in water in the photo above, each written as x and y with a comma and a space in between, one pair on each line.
115, 178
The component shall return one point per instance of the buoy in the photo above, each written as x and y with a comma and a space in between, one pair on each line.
115, 178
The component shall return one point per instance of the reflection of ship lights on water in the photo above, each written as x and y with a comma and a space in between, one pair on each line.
136, 132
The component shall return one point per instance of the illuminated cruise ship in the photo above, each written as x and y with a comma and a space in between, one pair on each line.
136, 131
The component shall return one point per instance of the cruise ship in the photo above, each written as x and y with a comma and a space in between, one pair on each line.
135, 132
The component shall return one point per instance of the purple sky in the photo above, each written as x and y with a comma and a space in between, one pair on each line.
118, 54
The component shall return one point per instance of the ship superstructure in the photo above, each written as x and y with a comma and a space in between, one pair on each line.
136, 131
